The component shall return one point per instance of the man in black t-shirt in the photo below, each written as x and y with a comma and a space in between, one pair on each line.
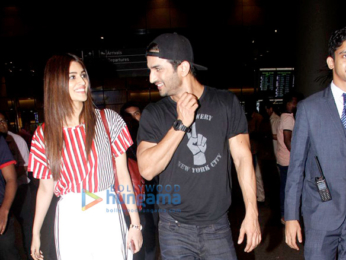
186, 138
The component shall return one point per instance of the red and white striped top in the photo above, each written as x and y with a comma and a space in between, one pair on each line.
77, 173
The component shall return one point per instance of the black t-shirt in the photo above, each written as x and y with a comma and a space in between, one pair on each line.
195, 186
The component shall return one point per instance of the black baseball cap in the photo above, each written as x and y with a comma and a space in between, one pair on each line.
173, 46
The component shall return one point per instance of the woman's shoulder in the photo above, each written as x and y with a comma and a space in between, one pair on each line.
39, 130
107, 111
111, 116
38, 136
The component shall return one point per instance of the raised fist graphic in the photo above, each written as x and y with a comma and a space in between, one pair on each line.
198, 145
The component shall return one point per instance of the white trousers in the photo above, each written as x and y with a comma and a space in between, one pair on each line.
90, 234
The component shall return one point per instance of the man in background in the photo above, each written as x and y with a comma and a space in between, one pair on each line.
22, 204
274, 122
8, 188
254, 127
284, 138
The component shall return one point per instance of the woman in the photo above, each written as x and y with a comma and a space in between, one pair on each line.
72, 157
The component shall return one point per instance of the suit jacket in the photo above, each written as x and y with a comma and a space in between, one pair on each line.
318, 132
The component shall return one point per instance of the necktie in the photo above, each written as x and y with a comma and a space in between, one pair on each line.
343, 116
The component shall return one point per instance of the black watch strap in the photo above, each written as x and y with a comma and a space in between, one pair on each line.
179, 126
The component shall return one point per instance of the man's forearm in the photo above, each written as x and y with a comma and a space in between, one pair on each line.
154, 158
242, 157
247, 182
10, 193
246, 176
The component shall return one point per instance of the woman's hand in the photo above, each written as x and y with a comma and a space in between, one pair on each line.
36, 253
135, 236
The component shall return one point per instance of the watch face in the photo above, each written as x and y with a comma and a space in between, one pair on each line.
177, 124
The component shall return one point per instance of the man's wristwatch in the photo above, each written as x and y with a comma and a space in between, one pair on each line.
179, 126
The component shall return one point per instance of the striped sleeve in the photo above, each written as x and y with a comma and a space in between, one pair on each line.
120, 135
37, 157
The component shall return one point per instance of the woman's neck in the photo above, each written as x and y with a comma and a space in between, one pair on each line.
73, 120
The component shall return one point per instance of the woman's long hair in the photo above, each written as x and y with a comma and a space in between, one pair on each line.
58, 106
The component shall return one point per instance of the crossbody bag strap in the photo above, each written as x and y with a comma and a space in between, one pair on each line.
116, 181
105, 123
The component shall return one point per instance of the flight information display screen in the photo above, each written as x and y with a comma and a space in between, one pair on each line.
276, 82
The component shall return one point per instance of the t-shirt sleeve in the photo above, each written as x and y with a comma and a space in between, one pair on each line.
237, 123
37, 158
288, 123
148, 130
6, 157
120, 135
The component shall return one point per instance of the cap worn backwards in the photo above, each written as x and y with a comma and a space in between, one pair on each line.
173, 46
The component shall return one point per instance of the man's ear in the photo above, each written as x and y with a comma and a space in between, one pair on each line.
330, 62
184, 68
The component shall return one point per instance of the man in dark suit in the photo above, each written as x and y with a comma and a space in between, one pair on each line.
320, 132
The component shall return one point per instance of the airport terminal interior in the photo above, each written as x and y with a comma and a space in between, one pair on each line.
257, 49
